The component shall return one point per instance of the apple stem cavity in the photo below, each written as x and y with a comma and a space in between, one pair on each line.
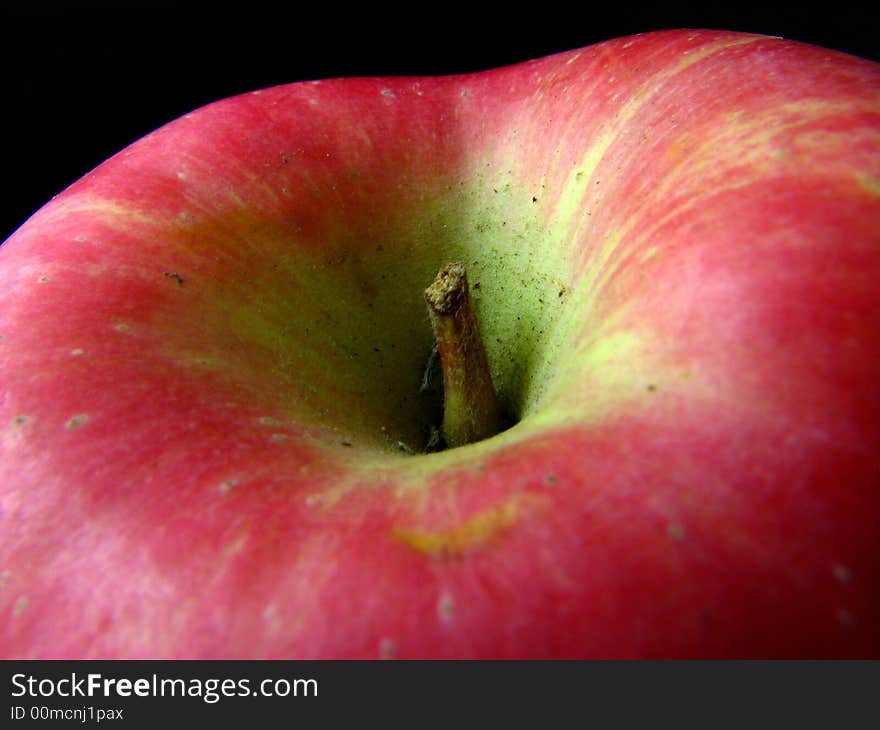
470, 405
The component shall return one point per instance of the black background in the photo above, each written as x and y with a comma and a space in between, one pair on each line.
79, 83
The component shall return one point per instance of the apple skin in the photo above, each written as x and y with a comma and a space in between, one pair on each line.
212, 347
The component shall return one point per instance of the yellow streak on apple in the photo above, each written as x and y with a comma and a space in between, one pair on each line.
870, 184
474, 533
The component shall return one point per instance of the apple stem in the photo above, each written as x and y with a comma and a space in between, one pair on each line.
470, 406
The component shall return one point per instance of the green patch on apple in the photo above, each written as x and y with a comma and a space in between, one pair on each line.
351, 307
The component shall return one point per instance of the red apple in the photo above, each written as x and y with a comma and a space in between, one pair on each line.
213, 345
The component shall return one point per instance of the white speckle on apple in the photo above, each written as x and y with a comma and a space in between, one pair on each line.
77, 421
387, 93
121, 327
446, 608
76, 352
43, 280
277, 438
20, 606
236, 546
387, 648
268, 421
842, 573
81, 239
845, 618
675, 531
228, 484
4, 577
181, 176
314, 102
272, 620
